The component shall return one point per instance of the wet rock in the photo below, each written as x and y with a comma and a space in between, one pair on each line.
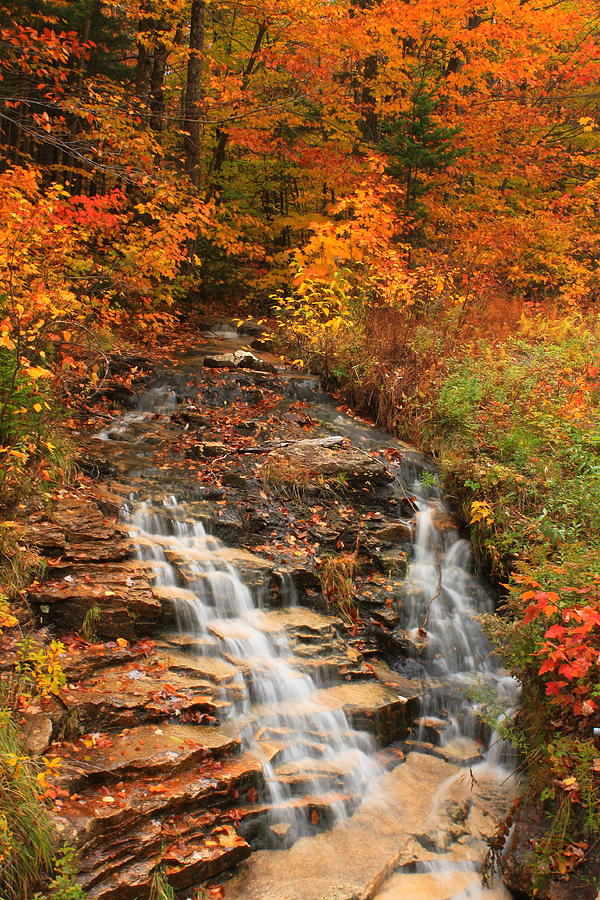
192, 417
395, 533
461, 752
119, 394
82, 660
36, 732
443, 885
120, 592
371, 707
236, 480
213, 449
111, 500
387, 615
79, 517
78, 531
406, 687
48, 537
356, 856
532, 824
147, 750
119, 363
342, 467
183, 819
247, 427
240, 359
410, 643
215, 493
196, 451
210, 668
223, 361
95, 466
444, 520
135, 694
394, 562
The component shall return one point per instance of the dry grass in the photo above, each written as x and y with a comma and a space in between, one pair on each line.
337, 580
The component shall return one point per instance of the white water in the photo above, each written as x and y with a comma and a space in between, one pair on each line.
271, 698
442, 600
277, 699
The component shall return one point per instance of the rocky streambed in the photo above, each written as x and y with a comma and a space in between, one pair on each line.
270, 644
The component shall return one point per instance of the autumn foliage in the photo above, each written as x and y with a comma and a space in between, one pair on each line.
410, 187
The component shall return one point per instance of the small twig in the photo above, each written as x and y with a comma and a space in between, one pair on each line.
438, 564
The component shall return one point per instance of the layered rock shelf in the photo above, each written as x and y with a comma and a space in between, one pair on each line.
171, 753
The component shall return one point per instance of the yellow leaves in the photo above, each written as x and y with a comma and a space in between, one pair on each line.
7, 620
37, 372
481, 511
13, 760
6, 341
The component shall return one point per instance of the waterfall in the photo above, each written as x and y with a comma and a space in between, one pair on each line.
276, 701
442, 600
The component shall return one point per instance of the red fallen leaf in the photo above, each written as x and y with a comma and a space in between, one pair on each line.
314, 817
216, 893
234, 814
231, 839
252, 795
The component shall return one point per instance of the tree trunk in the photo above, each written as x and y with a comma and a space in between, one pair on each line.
157, 80
144, 58
193, 91
218, 157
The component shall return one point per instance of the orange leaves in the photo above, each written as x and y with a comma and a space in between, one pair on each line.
570, 648
545, 603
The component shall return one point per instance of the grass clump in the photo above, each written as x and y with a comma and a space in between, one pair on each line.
89, 626
27, 838
287, 477
337, 576
160, 889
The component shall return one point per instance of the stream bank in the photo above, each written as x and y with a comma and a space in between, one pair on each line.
227, 711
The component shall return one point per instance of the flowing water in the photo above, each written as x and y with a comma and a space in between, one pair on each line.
302, 744
442, 600
273, 700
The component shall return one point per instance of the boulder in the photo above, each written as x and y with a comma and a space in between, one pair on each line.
240, 359
36, 732
315, 463
395, 533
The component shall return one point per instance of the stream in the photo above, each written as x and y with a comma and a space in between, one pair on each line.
363, 769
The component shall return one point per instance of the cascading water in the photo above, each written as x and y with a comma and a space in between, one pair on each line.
276, 700
307, 751
442, 600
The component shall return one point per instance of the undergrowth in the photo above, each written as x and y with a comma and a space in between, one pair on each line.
27, 838
514, 422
